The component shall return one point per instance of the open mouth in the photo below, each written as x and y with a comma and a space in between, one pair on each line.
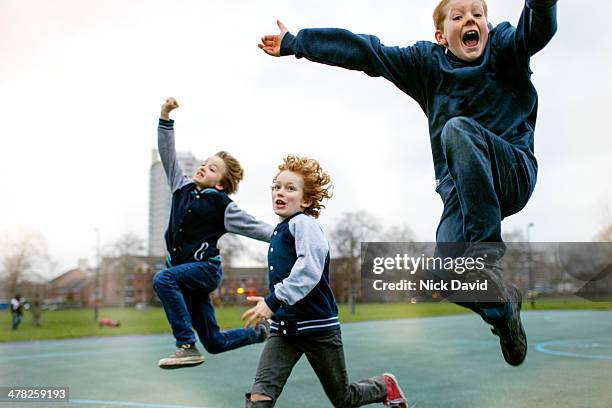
471, 38
279, 203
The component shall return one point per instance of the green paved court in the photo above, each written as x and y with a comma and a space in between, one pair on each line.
440, 361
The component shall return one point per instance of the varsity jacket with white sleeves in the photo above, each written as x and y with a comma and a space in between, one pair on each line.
198, 218
298, 273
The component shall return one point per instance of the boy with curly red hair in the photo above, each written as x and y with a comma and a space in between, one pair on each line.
301, 303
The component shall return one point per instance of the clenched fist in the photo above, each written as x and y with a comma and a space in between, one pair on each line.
167, 107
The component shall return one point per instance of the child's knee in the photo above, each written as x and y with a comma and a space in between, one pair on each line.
161, 278
458, 133
459, 123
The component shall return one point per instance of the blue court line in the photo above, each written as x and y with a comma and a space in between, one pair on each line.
129, 404
541, 347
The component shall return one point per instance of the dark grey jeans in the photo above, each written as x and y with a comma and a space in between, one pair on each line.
325, 354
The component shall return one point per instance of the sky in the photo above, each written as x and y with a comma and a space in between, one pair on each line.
82, 82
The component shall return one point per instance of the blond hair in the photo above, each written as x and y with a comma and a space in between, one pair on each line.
233, 172
316, 181
439, 13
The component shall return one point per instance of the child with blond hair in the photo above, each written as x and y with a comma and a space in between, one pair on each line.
201, 213
474, 85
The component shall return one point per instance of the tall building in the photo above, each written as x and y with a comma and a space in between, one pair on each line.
160, 198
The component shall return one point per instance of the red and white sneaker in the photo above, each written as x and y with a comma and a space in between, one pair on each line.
395, 395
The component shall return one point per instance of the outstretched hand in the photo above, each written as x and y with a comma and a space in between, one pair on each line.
257, 313
270, 44
168, 107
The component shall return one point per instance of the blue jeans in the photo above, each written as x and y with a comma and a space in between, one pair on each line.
487, 179
16, 320
184, 291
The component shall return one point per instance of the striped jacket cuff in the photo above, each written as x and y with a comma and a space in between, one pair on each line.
273, 302
166, 124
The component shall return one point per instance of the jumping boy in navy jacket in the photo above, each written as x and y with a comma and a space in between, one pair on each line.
474, 86
301, 303
201, 213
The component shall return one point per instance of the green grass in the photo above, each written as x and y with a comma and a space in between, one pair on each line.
79, 323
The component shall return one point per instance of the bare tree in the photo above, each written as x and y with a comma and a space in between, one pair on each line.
605, 235
24, 258
516, 235
398, 233
349, 231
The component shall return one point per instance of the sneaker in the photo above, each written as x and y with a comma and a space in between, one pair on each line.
395, 396
264, 329
510, 331
186, 355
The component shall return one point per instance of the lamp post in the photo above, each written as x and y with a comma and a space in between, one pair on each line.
529, 268
97, 277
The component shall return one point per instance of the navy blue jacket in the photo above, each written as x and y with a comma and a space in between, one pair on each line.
300, 293
198, 218
495, 90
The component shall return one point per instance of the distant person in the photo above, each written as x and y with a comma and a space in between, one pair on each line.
474, 85
301, 303
201, 213
16, 311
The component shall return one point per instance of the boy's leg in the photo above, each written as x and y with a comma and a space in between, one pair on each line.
16, 320
489, 179
278, 358
214, 340
325, 354
170, 286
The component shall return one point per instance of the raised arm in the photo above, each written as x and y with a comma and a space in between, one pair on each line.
342, 48
536, 27
240, 222
167, 151
312, 250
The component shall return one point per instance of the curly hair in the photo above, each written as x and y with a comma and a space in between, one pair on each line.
233, 172
439, 13
317, 182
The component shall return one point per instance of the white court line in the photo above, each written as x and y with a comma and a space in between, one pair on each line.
129, 404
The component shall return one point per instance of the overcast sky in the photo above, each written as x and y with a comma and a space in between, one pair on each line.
81, 84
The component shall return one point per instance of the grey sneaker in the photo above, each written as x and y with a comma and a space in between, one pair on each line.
512, 337
264, 329
186, 355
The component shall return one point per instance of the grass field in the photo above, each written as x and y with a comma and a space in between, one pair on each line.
63, 324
